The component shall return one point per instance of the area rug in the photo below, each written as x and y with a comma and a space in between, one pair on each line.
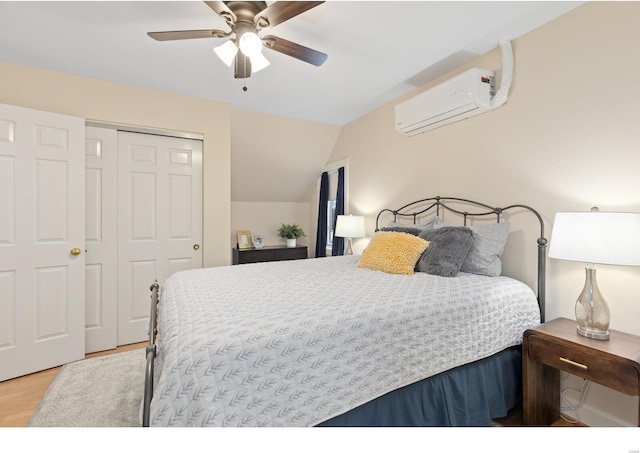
103, 391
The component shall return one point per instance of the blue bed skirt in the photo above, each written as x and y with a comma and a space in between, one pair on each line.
469, 395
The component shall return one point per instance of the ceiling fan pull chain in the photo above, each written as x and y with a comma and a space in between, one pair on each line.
244, 80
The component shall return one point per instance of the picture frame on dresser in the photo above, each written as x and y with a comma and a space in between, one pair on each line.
244, 240
258, 241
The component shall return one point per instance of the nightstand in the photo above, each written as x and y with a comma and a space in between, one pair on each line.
556, 346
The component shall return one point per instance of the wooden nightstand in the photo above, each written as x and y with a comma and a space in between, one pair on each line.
556, 346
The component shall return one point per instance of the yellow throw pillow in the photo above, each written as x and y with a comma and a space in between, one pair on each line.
393, 252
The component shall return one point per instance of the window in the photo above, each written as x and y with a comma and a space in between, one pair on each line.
331, 214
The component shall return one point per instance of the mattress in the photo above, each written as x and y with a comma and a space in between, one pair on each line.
295, 343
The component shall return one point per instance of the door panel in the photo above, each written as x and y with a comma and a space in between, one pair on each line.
41, 282
7, 200
159, 220
51, 201
143, 201
7, 309
180, 209
52, 293
101, 173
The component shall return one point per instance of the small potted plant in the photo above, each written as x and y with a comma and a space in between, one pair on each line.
291, 232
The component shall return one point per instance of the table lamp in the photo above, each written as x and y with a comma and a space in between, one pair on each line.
349, 226
595, 238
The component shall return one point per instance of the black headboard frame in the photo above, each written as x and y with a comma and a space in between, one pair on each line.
418, 208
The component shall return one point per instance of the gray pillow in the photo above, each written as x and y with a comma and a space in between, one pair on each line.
447, 251
488, 244
427, 224
402, 229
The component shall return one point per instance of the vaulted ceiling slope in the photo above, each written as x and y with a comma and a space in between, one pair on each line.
275, 158
377, 50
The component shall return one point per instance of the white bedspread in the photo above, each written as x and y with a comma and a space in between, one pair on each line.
296, 343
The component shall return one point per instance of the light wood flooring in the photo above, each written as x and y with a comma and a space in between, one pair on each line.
20, 397
514, 418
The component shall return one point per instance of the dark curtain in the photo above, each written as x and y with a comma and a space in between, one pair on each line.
338, 243
321, 239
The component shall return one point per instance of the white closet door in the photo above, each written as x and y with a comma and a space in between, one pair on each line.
101, 173
159, 220
42, 225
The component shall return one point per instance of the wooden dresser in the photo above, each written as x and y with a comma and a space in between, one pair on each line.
269, 253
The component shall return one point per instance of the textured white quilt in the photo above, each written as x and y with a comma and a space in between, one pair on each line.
295, 343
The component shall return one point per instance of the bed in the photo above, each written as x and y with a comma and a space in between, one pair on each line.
337, 342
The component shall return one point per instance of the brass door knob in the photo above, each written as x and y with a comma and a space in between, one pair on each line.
75, 251
196, 246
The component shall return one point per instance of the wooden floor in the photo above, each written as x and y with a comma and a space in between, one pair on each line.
20, 397
514, 418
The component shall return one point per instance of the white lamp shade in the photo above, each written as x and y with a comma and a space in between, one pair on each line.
350, 226
258, 62
250, 44
596, 237
227, 52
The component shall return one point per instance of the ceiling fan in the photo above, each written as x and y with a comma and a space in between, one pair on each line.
246, 20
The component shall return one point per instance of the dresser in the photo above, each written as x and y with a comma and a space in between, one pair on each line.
269, 253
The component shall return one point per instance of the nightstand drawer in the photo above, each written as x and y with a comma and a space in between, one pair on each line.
580, 362
295, 253
269, 253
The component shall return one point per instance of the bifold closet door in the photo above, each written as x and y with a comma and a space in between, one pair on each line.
101, 283
42, 236
159, 220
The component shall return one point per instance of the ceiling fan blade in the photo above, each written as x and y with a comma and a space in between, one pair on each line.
295, 50
223, 11
187, 34
242, 66
278, 12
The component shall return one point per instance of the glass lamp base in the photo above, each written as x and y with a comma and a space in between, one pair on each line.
592, 311
593, 334
349, 250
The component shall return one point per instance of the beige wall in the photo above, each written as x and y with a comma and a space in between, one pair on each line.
111, 102
276, 163
265, 219
275, 158
568, 139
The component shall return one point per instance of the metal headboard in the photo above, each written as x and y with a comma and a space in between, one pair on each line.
419, 208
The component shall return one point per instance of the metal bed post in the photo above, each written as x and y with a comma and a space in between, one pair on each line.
542, 265
150, 354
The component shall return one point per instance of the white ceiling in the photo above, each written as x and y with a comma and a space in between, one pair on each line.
378, 50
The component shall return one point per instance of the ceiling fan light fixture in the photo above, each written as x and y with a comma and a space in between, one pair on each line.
250, 44
242, 46
259, 62
227, 52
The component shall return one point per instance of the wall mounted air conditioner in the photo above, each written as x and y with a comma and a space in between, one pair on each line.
465, 95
